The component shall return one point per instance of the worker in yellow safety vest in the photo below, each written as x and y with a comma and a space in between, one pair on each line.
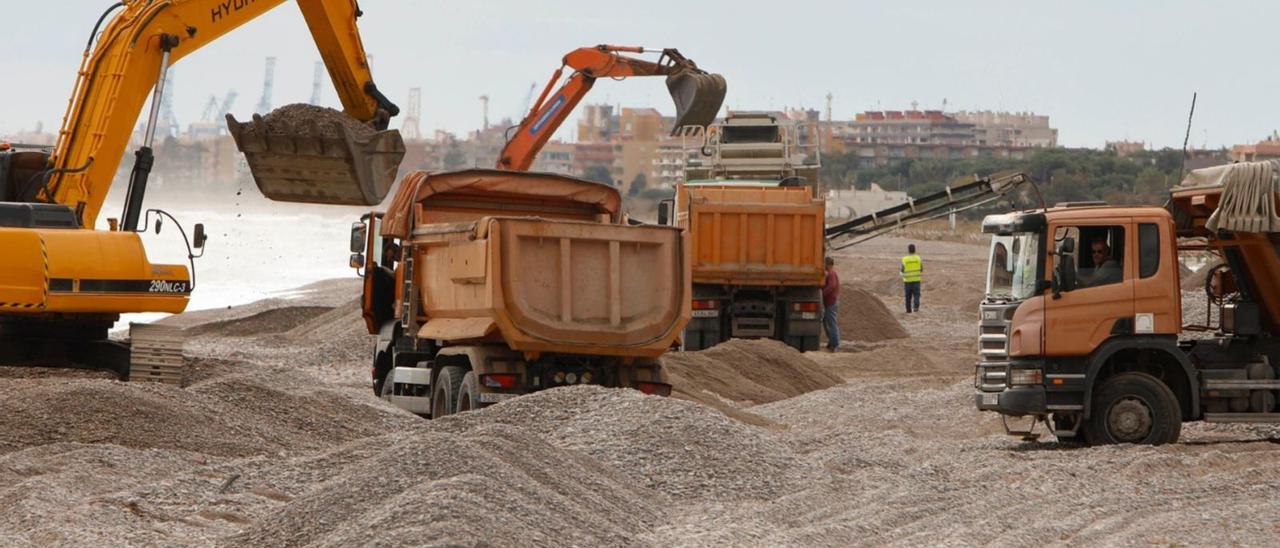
912, 268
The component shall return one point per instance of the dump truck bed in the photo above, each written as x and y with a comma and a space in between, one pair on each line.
753, 234
544, 285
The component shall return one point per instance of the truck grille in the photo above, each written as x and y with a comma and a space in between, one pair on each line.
993, 343
993, 348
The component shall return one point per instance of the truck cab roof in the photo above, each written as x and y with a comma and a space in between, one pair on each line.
1037, 219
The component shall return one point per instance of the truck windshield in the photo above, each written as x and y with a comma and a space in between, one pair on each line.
1011, 274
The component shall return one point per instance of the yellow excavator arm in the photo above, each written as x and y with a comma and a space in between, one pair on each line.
117, 74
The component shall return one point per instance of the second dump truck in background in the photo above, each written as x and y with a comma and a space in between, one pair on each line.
485, 284
756, 233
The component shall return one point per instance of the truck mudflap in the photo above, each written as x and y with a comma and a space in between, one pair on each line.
305, 165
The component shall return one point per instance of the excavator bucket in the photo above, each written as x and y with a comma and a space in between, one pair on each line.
318, 159
698, 96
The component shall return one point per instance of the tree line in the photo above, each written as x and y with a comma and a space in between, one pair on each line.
1064, 175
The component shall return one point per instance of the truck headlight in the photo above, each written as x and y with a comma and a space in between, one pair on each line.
1030, 377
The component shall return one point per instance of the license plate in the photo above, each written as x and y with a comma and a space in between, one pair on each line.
991, 399
706, 313
808, 315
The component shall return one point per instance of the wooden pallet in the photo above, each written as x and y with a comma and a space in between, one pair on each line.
156, 354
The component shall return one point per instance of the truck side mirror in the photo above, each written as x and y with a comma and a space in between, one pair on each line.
1067, 247
356, 261
358, 236
664, 211
198, 236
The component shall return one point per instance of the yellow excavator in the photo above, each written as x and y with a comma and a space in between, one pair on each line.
63, 283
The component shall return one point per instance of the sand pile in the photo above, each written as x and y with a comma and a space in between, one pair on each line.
306, 120
864, 317
748, 372
875, 360
275, 320
481, 484
679, 448
232, 415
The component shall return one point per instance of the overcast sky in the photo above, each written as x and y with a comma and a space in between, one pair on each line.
1102, 70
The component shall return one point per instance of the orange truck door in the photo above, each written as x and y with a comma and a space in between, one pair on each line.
1081, 318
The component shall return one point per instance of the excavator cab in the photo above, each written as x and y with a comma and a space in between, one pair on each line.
307, 154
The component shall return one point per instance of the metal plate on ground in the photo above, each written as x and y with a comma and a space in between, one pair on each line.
156, 354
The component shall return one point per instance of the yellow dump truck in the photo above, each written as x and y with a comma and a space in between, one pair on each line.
486, 284
756, 232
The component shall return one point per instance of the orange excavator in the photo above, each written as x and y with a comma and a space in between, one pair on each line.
696, 93
63, 282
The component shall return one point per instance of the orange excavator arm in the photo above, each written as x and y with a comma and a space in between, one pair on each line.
698, 95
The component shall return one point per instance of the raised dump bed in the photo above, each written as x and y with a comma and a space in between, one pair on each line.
485, 284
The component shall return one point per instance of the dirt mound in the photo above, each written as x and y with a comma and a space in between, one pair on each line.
483, 484
747, 372
275, 320
864, 317
231, 415
306, 120
676, 447
875, 360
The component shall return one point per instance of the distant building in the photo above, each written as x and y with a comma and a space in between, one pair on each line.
1267, 149
880, 137
597, 124
1015, 129
556, 157
1125, 148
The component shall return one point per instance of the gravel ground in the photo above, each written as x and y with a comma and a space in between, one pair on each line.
276, 441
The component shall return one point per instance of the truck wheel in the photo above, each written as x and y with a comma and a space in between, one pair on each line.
444, 397
1134, 408
469, 393
803, 343
381, 370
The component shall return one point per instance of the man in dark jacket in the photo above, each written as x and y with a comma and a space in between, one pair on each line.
831, 305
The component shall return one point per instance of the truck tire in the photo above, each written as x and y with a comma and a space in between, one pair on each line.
469, 393
1134, 408
444, 397
382, 365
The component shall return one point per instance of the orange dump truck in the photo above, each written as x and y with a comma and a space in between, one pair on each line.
757, 236
485, 284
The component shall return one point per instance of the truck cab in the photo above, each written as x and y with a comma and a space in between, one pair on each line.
1081, 325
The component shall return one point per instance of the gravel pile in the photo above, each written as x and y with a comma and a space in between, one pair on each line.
746, 371
237, 414
309, 120
485, 484
864, 317
679, 448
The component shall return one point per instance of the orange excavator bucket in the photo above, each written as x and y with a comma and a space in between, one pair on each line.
308, 154
697, 95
